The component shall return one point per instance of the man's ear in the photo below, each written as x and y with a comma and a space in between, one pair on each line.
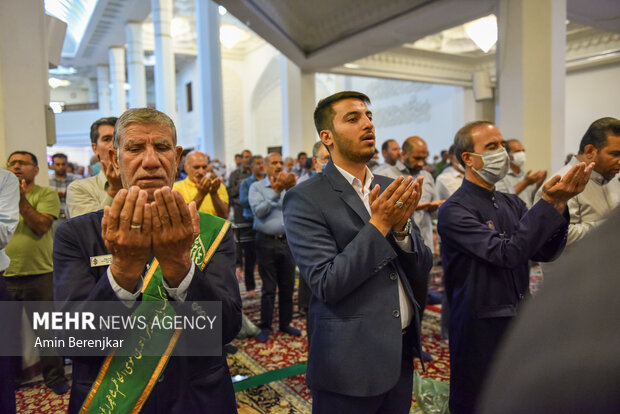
467, 159
179, 152
112, 154
93, 145
327, 137
590, 151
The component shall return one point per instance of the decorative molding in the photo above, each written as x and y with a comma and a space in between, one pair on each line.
588, 49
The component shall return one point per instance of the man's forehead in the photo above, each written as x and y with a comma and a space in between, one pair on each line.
195, 159
143, 132
345, 106
487, 133
515, 146
20, 157
613, 141
105, 130
275, 158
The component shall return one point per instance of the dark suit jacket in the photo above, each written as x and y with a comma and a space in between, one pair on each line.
188, 384
354, 334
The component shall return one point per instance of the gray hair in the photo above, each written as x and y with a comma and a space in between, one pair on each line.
142, 116
316, 148
463, 140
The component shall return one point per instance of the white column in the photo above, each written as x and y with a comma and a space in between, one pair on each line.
92, 89
165, 94
290, 76
103, 90
308, 102
117, 79
135, 65
531, 68
209, 87
24, 91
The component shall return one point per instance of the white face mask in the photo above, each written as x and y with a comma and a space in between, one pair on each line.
518, 158
495, 165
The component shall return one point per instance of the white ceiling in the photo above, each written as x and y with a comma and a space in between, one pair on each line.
319, 35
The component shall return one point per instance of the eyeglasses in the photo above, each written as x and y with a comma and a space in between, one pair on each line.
19, 162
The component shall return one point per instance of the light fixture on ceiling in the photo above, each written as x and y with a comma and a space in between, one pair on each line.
483, 32
351, 65
57, 106
230, 35
62, 70
57, 83
222, 10
149, 60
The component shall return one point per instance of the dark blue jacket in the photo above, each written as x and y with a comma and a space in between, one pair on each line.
188, 384
487, 239
354, 334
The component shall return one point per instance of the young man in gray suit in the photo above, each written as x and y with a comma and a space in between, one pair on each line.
366, 264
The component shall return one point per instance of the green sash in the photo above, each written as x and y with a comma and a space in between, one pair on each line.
125, 382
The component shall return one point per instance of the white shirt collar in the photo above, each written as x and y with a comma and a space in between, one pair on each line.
355, 182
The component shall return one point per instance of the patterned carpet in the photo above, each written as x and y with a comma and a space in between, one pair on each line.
291, 395
288, 396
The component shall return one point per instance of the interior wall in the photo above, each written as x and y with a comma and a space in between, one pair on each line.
187, 123
590, 94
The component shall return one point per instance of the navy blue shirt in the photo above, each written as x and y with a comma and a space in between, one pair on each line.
487, 239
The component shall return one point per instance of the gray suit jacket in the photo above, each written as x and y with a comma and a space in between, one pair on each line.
354, 329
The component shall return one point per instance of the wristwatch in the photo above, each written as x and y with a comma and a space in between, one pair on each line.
405, 231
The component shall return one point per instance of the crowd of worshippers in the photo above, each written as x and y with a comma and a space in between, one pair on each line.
479, 213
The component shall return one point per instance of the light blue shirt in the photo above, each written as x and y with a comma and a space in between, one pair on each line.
244, 196
9, 212
266, 206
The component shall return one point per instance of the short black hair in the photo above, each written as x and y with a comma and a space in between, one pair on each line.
302, 153
324, 113
463, 141
253, 158
94, 128
34, 157
597, 133
386, 144
59, 155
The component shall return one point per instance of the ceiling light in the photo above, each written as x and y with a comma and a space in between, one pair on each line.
62, 70
179, 26
230, 35
149, 60
57, 107
483, 32
57, 83
351, 65
222, 10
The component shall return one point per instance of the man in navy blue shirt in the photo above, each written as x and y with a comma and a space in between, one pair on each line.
487, 238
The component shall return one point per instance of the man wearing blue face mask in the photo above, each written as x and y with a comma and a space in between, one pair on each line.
517, 181
487, 238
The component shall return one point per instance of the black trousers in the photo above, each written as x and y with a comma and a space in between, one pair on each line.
277, 271
248, 244
395, 401
7, 379
37, 288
